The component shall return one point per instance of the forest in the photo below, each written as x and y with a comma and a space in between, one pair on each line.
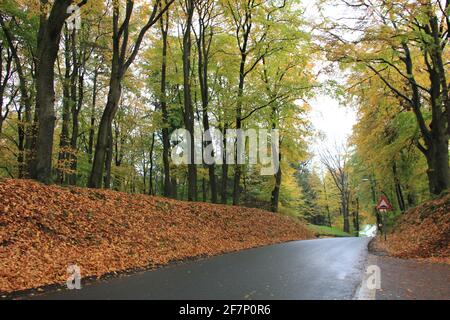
92, 94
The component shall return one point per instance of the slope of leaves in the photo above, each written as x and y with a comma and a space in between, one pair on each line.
43, 229
423, 232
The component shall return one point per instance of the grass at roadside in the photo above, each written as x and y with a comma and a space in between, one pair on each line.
324, 231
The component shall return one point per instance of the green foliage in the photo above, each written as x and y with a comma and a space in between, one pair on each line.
280, 69
324, 231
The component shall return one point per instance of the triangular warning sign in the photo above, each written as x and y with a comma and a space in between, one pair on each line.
384, 204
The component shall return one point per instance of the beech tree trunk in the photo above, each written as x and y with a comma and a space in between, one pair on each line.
189, 119
25, 122
168, 192
115, 90
174, 185
356, 226
438, 169
48, 45
92, 123
345, 214
224, 167
4, 81
21, 143
398, 189
204, 39
63, 155
436, 134
436, 95
119, 66
152, 147
237, 166
101, 160
75, 130
244, 26
275, 199
108, 159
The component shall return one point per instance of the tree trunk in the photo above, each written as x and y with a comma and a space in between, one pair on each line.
46, 125
48, 45
437, 138
168, 192
188, 108
345, 213
437, 57
100, 159
144, 170
4, 81
356, 218
63, 155
155, 190
436, 135
75, 131
92, 123
25, 104
108, 159
326, 201
204, 192
438, 169
398, 189
119, 66
224, 168
211, 167
203, 48
174, 187
237, 166
21, 143
275, 199
152, 147
277, 159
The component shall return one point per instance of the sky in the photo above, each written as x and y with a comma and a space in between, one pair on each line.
328, 116
332, 119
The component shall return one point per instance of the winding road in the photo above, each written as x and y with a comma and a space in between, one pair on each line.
314, 269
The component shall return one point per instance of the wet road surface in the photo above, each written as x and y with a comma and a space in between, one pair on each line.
314, 269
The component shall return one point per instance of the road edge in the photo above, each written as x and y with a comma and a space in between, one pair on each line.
363, 291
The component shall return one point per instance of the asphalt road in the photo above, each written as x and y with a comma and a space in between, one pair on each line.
315, 269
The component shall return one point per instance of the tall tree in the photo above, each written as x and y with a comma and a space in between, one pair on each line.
404, 41
168, 192
119, 66
253, 22
67, 84
336, 164
189, 119
26, 100
204, 37
6, 73
51, 23
242, 17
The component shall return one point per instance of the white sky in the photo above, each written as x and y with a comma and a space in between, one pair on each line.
332, 119
328, 116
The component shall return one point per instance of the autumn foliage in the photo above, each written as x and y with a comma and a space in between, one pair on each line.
44, 229
423, 232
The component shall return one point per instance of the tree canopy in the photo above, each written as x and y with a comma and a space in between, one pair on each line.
99, 104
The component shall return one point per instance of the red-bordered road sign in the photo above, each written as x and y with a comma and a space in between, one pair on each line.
384, 204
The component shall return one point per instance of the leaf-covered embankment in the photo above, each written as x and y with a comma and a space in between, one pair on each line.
422, 233
44, 229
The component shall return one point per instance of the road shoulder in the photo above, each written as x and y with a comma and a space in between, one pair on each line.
402, 279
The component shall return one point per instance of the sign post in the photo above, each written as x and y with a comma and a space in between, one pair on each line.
383, 207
